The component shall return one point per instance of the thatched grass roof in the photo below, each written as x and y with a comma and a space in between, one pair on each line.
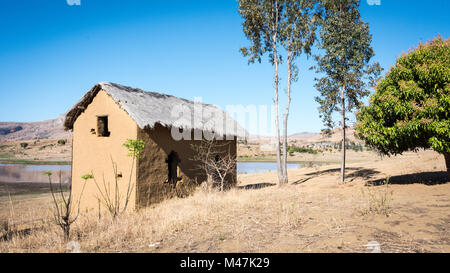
149, 108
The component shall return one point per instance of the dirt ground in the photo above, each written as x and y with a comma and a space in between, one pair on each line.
314, 214
40, 150
336, 218
311, 214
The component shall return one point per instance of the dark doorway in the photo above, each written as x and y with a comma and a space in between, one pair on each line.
173, 172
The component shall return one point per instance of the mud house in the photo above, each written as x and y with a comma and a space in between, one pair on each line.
110, 114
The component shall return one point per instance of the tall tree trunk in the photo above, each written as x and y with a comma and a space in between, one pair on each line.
343, 148
275, 101
285, 120
447, 162
277, 126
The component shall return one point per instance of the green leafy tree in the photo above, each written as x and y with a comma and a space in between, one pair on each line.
411, 106
344, 63
291, 151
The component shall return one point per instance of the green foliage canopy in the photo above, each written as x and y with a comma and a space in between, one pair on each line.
345, 60
411, 106
261, 27
134, 147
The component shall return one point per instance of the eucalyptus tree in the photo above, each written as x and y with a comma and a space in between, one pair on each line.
345, 43
298, 31
270, 25
262, 27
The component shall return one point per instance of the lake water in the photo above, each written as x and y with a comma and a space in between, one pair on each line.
260, 167
35, 173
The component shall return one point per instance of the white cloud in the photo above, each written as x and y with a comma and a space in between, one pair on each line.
73, 2
374, 2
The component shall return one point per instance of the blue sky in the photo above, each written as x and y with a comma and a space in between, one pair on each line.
51, 53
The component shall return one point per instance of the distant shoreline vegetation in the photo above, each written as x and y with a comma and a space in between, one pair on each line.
255, 159
34, 162
42, 162
273, 160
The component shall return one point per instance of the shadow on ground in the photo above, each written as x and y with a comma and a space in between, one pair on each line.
351, 174
426, 178
9, 234
256, 186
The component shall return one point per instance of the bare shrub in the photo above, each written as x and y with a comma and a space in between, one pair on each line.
63, 215
215, 160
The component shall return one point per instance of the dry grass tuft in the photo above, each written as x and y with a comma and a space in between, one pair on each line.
212, 213
378, 200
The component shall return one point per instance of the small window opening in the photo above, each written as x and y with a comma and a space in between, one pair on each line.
102, 126
173, 170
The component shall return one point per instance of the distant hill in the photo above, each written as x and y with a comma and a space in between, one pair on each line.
336, 136
304, 135
308, 137
53, 128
